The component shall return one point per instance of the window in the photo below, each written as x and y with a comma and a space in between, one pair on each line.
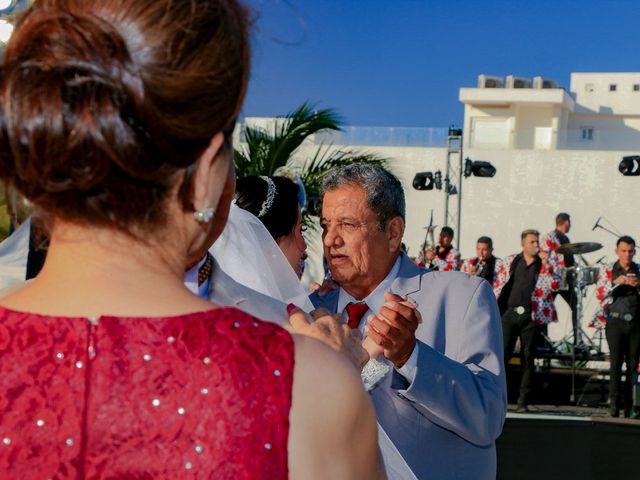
588, 87
613, 87
636, 87
586, 133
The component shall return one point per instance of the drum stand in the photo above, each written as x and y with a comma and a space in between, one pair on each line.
579, 335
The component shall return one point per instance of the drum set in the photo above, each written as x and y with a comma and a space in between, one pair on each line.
575, 280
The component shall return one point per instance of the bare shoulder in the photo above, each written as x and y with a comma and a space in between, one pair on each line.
318, 367
330, 414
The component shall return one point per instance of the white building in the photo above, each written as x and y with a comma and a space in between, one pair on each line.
600, 112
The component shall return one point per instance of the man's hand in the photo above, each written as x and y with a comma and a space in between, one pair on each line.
331, 330
624, 280
373, 349
430, 254
394, 328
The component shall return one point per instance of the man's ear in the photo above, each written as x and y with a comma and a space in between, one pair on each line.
207, 181
395, 231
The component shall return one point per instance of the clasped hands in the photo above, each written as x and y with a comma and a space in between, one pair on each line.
391, 332
630, 280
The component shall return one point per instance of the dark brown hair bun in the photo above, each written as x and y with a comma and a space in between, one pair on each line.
105, 103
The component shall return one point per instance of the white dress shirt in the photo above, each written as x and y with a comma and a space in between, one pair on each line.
375, 300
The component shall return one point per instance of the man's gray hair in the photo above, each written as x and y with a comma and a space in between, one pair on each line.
384, 192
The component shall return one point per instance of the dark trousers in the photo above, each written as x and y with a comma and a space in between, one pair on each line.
516, 325
624, 344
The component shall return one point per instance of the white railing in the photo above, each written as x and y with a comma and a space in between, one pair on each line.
385, 136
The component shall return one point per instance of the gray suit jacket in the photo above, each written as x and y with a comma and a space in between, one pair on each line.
226, 292
446, 422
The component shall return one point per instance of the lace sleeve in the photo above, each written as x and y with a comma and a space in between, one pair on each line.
372, 373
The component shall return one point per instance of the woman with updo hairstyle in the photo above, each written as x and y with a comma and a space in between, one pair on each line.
115, 122
275, 201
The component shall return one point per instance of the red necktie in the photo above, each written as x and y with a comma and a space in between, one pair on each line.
355, 312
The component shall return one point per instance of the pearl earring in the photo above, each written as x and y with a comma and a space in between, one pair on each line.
205, 215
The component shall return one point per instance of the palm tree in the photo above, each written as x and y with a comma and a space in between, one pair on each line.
262, 153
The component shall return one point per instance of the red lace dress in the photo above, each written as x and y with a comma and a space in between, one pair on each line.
204, 396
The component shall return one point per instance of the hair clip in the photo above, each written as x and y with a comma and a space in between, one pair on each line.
271, 193
205, 215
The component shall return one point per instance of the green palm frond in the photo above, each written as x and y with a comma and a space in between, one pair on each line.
262, 152
298, 126
326, 159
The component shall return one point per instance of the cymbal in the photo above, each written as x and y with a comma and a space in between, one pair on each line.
578, 248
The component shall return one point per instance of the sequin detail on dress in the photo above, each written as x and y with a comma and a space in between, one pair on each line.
203, 404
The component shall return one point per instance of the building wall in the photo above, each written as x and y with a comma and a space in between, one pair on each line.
593, 94
547, 119
609, 131
534, 125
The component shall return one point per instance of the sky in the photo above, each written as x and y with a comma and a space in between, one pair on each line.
402, 62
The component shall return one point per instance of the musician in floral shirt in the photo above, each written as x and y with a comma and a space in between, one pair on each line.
484, 264
445, 257
618, 294
524, 287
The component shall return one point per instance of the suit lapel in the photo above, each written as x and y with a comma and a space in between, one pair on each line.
409, 279
328, 301
221, 290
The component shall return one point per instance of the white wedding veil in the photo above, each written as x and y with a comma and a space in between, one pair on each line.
247, 252
14, 251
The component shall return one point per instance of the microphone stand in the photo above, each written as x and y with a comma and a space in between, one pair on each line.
613, 232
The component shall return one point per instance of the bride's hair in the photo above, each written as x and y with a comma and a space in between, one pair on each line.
105, 105
278, 212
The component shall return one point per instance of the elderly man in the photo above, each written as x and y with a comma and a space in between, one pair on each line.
444, 401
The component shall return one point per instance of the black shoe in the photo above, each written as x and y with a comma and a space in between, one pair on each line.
614, 412
522, 409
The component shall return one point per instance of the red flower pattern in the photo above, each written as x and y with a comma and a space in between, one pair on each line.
604, 285
548, 282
